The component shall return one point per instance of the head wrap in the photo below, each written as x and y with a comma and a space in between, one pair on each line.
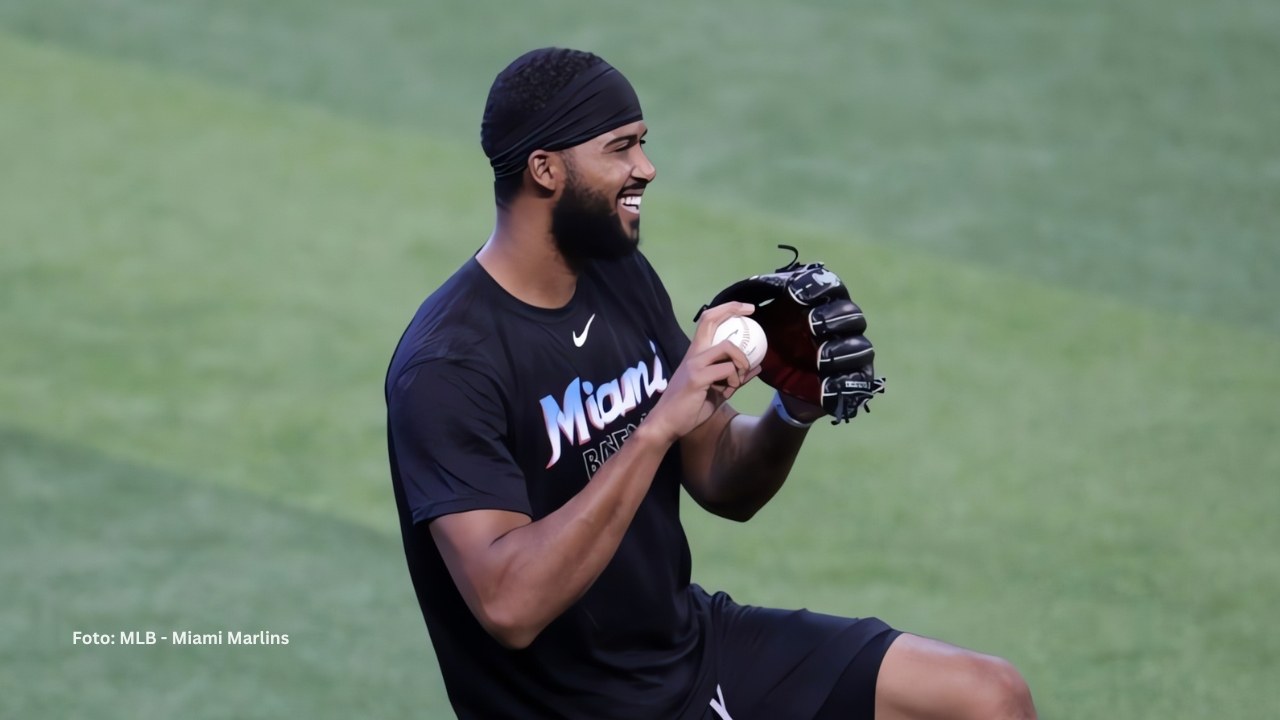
598, 100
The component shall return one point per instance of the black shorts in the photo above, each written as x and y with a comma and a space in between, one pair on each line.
766, 664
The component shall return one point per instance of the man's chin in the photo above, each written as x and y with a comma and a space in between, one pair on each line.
632, 244
583, 234
632, 232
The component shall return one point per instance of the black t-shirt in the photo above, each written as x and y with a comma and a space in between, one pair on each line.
495, 404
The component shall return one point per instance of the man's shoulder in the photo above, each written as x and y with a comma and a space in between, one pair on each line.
454, 324
461, 300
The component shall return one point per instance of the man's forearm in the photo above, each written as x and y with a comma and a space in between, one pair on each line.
548, 564
753, 457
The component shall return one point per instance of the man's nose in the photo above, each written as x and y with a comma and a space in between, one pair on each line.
645, 169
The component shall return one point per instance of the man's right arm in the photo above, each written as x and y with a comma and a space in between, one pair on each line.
518, 575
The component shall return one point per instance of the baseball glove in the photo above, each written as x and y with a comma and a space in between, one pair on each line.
817, 351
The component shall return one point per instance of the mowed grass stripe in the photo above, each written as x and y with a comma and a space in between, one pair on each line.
97, 544
1122, 148
198, 264
211, 283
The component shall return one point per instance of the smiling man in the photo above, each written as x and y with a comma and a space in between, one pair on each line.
544, 411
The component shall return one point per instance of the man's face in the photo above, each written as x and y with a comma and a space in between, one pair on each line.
598, 213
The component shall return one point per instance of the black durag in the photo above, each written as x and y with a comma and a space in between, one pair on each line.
598, 100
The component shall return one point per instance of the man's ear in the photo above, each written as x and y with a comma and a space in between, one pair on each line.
546, 169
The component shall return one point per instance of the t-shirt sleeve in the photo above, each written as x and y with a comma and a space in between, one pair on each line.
448, 427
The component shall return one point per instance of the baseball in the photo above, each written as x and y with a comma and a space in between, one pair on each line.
746, 334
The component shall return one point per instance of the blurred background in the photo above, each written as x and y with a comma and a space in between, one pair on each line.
1063, 221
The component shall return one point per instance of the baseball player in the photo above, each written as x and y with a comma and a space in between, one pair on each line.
545, 409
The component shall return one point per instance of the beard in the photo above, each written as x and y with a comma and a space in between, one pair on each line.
586, 226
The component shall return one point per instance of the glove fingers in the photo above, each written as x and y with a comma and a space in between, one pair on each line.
843, 396
846, 354
816, 285
818, 351
838, 317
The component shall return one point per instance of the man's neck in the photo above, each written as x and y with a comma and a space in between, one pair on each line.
522, 257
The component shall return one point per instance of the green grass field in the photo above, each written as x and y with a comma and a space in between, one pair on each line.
1063, 220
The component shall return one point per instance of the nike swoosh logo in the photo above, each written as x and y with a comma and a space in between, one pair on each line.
580, 340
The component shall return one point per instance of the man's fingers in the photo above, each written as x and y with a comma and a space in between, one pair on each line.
724, 348
712, 318
725, 373
722, 351
751, 375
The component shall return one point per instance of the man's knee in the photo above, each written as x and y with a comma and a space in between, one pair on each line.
920, 678
999, 691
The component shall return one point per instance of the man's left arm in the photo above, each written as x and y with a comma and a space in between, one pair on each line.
820, 362
734, 463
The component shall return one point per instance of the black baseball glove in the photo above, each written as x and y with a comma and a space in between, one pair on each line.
817, 352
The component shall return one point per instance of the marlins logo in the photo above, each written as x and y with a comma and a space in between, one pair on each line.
585, 403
